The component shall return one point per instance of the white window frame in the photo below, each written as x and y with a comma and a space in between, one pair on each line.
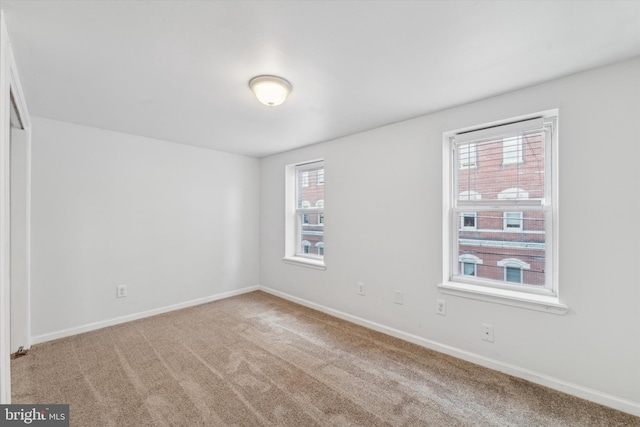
294, 253
320, 177
524, 296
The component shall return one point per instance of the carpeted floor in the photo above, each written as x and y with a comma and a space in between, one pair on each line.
257, 360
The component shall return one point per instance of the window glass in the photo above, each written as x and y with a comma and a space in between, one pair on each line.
310, 210
513, 274
503, 213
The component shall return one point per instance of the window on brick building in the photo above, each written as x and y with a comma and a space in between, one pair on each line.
304, 233
502, 217
469, 221
512, 150
467, 156
513, 221
513, 269
469, 265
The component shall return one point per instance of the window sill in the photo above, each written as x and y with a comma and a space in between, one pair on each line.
544, 303
305, 262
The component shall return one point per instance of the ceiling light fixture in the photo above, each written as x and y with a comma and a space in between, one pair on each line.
270, 90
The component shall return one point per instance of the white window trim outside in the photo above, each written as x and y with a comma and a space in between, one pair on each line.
292, 226
506, 219
475, 221
514, 263
530, 298
470, 259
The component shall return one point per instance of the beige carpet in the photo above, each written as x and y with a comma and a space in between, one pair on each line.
256, 360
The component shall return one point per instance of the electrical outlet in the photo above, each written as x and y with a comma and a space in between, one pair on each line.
121, 291
397, 297
487, 332
441, 307
360, 288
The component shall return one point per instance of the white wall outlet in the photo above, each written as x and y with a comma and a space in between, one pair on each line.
121, 291
360, 288
487, 332
441, 307
397, 297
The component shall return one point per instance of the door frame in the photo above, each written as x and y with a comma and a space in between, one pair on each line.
10, 92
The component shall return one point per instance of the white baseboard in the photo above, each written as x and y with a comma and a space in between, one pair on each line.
103, 324
516, 371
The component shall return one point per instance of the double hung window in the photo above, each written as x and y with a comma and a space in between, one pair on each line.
305, 219
501, 206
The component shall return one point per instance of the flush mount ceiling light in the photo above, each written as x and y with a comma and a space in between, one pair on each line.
270, 90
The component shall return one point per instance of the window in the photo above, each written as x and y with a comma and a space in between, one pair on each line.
305, 205
512, 150
513, 269
467, 157
513, 274
517, 236
320, 204
468, 221
468, 264
513, 221
305, 215
469, 195
321, 177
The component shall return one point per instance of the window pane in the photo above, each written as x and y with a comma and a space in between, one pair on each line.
489, 178
512, 149
513, 274
467, 157
308, 187
492, 243
469, 220
311, 234
468, 269
513, 220
309, 209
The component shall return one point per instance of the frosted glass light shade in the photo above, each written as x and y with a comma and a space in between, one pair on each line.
270, 90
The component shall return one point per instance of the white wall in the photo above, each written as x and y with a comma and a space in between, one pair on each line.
175, 223
383, 192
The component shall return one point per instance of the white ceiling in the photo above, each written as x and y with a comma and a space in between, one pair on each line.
179, 70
